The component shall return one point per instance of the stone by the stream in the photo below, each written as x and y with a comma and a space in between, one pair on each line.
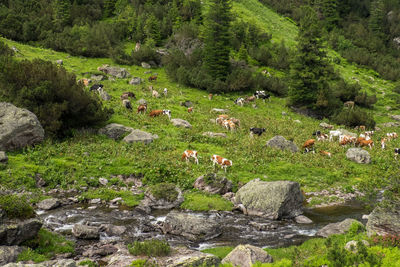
15, 233
358, 155
9, 254
140, 136
52, 263
85, 231
181, 123
336, 228
384, 221
184, 257
274, 200
353, 247
114, 71
194, 227
214, 135
279, 142
211, 183
100, 250
3, 157
246, 256
19, 128
115, 130
303, 219
113, 230
49, 204
152, 202
135, 81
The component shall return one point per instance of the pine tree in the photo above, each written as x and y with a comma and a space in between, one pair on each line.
310, 71
62, 12
330, 13
152, 29
377, 15
109, 7
217, 39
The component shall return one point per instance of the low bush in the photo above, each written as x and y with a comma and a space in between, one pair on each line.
165, 191
354, 117
16, 206
152, 248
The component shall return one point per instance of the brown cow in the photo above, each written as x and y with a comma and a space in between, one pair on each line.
153, 78
309, 144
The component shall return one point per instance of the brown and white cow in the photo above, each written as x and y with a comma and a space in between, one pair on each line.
142, 108
190, 110
309, 144
368, 143
325, 153
187, 154
223, 162
391, 136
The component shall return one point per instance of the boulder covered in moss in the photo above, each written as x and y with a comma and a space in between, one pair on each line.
384, 221
246, 256
337, 228
279, 142
9, 254
214, 184
162, 196
15, 232
273, 200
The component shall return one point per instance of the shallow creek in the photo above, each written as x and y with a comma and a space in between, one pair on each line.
236, 227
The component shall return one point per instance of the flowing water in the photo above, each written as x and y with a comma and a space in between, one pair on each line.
236, 227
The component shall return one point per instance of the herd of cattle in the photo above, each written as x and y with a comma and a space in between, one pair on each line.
363, 140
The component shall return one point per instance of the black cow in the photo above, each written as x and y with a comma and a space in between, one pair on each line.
262, 95
396, 152
257, 131
317, 133
96, 87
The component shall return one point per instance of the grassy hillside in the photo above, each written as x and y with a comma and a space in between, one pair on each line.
82, 159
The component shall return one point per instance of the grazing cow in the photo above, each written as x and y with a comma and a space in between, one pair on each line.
127, 104
368, 143
309, 144
383, 142
391, 136
190, 110
362, 128
320, 136
127, 95
250, 99
325, 153
229, 125
369, 133
96, 87
155, 94
235, 121
190, 154
349, 104
223, 116
220, 120
359, 140
223, 162
167, 112
257, 131
396, 152
155, 113
240, 101
165, 92
262, 95
84, 81
142, 108
333, 134
210, 96
153, 78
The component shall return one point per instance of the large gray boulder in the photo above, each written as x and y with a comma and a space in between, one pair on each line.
114, 71
274, 200
140, 136
135, 81
246, 256
211, 183
15, 233
3, 157
195, 227
154, 202
358, 155
115, 130
395, 117
384, 221
19, 128
86, 232
337, 228
184, 257
9, 254
279, 142
48, 204
181, 123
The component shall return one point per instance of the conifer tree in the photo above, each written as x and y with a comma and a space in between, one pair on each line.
217, 39
310, 71
62, 12
109, 7
330, 13
377, 15
152, 29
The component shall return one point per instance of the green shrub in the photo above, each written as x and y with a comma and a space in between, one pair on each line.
88, 263
354, 117
143, 263
46, 246
16, 206
53, 94
153, 248
165, 191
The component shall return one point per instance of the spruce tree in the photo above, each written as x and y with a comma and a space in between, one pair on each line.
310, 71
330, 13
217, 39
62, 12
152, 29
109, 7
377, 15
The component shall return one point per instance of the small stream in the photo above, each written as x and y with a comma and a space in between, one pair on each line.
236, 227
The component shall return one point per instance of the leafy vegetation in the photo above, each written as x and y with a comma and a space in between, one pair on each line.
153, 248
165, 191
16, 206
45, 247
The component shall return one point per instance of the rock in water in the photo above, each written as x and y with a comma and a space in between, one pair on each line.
181, 123
140, 136
191, 226
154, 202
274, 200
48, 204
115, 130
19, 128
384, 221
358, 155
281, 143
337, 228
85, 232
246, 256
